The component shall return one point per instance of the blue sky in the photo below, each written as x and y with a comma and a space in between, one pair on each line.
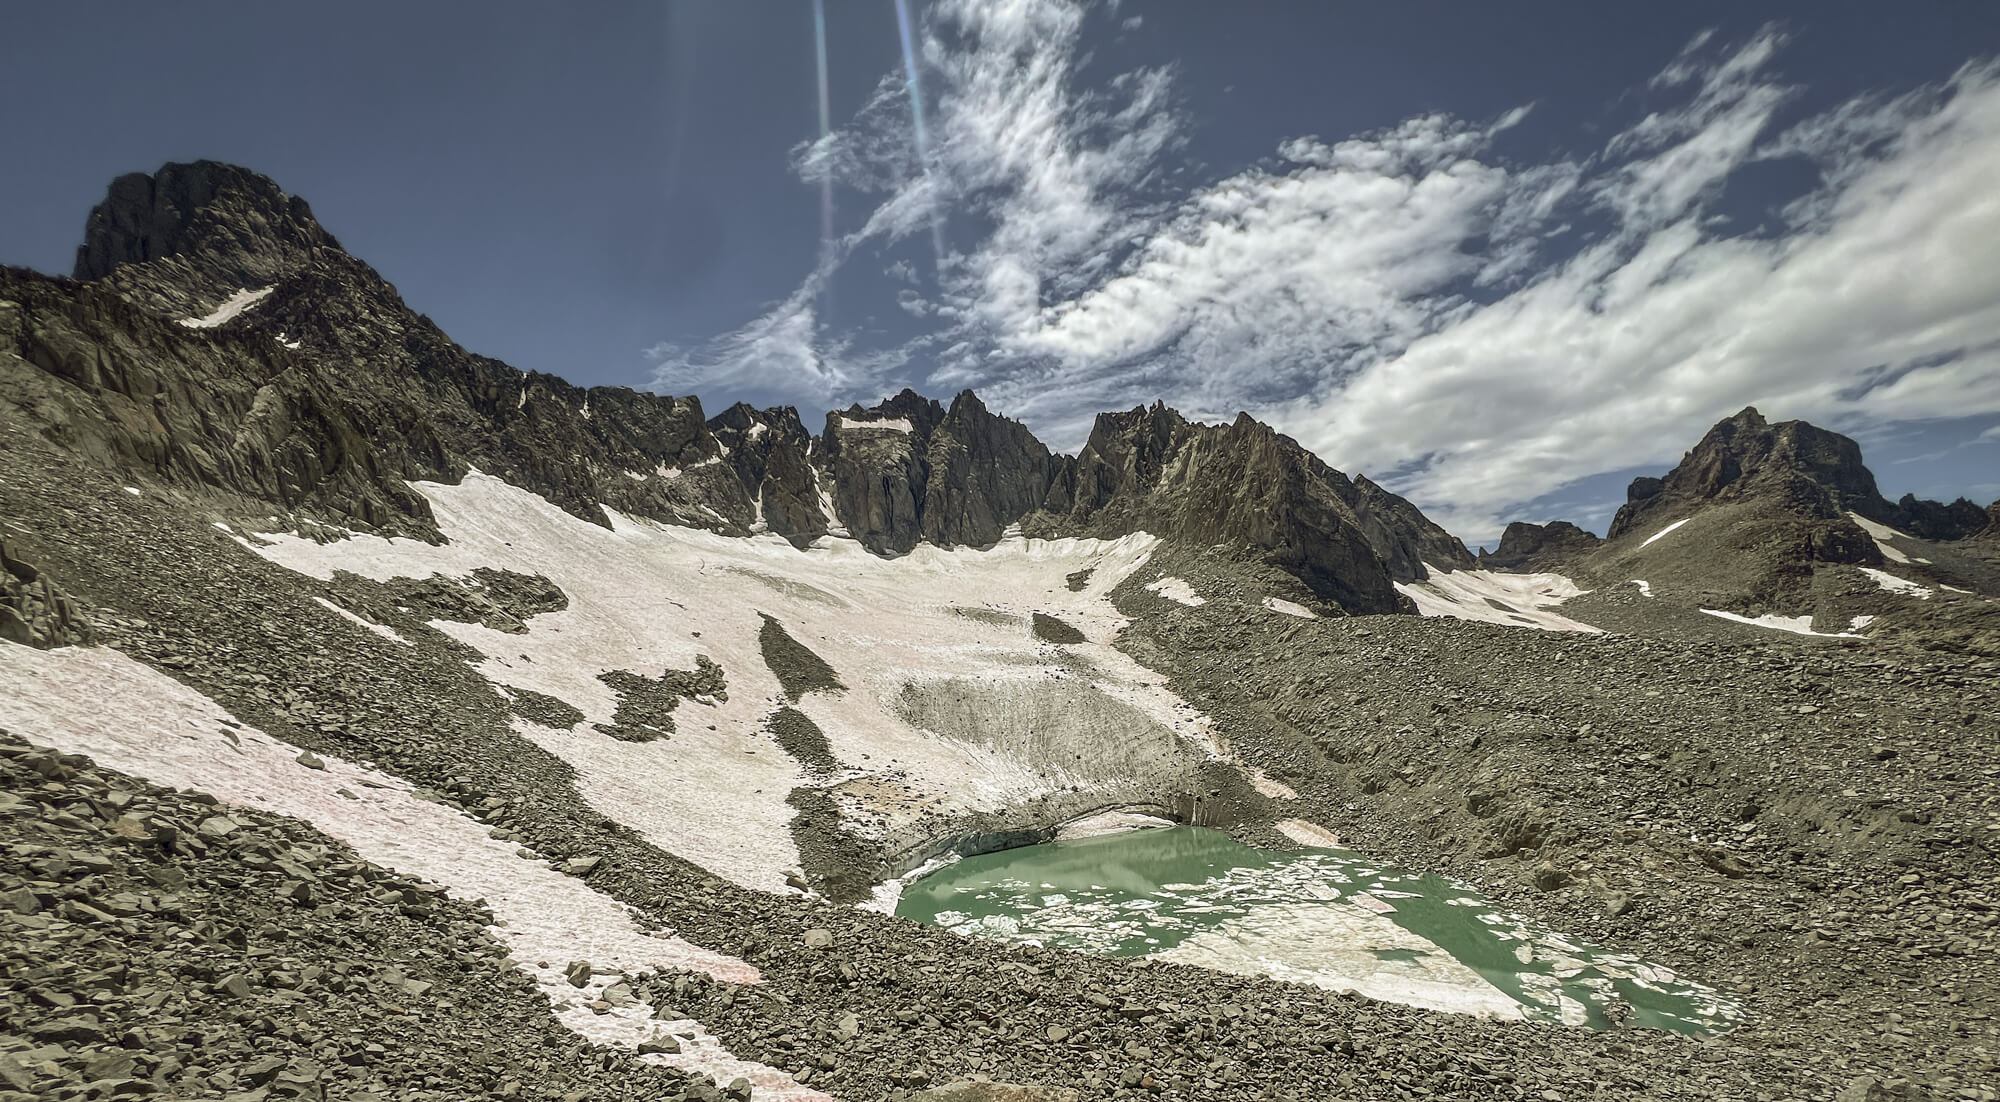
1499, 256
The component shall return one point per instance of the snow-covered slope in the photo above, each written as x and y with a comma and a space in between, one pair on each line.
951, 703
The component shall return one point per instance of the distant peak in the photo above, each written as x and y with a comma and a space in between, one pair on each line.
232, 226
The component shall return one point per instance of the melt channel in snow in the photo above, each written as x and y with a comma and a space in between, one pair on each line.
171, 735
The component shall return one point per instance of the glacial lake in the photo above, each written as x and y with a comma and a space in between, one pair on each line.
1327, 917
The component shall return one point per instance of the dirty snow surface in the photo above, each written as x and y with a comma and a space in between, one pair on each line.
949, 704
1894, 584
1290, 608
1176, 589
168, 733
1882, 534
1797, 625
1521, 600
235, 304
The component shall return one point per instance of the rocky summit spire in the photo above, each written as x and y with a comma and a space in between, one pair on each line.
190, 234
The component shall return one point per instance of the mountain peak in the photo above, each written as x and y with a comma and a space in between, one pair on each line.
218, 227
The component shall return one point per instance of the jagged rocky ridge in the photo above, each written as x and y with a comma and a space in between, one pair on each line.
216, 336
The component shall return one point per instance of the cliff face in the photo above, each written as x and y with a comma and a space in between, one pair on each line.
1247, 486
1533, 547
217, 336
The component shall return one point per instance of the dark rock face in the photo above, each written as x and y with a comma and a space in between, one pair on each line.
1244, 484
34, 611
986, 472
1525, 546
1933, 521
878, 465
769, 450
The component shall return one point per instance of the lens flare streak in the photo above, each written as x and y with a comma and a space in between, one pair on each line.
922, 134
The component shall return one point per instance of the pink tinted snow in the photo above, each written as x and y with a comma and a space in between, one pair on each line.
171, 735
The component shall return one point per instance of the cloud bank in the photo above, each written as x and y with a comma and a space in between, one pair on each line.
1475, 331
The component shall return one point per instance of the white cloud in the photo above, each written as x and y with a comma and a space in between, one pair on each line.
1406, 302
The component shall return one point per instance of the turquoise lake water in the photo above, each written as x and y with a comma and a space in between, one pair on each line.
1327, 917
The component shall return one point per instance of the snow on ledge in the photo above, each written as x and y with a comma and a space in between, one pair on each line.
1516, 600
1664, 531
369, 624
1882, 534
1174, 589
235, 304
1797, 625
894, 424
171, 735
1290, 608
1645, 588
1893, 584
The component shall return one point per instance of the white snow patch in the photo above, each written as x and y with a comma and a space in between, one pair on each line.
235, 304
714, 793
1893, 584
1290, 608
171, 735
1645, 588
893, 424
757, 429
1174, 589
1470, 595
1664, 531
1859, 622
1308, 833
1109, 822
133, 490
1797, 625
369, 624
1882, 534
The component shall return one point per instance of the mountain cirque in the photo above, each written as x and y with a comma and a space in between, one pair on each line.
248, 559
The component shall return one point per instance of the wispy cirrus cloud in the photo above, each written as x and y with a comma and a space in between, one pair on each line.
1479, 330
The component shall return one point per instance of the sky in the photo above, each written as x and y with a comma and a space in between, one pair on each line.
1499, 257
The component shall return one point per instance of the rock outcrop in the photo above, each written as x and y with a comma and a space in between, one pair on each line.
1246, 486
34, 611
1525, 546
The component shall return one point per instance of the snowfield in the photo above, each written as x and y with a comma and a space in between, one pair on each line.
1519, 600
1893, 584
1290, 608
1177, 590
950, 704
235, 304
1882, 534
171, 735
1797, 625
